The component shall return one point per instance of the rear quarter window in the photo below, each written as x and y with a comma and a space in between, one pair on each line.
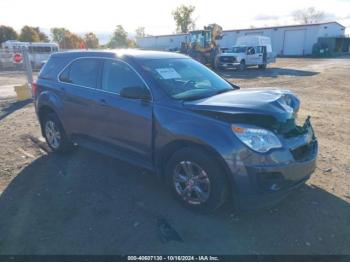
52, 68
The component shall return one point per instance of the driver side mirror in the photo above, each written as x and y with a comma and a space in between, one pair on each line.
136, 92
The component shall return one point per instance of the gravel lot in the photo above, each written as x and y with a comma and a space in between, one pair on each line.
87, 203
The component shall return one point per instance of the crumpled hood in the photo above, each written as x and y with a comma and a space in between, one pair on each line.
281, 105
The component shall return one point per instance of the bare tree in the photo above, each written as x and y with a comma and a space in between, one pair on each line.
140, 32
308, 15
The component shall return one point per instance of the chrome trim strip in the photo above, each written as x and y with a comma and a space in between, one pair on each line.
100, 89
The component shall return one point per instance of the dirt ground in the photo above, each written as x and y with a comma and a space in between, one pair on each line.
87, 203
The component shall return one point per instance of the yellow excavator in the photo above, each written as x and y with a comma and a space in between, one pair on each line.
202, 44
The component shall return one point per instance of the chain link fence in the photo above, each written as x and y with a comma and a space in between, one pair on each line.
20, 65
14, 60
15, 71
11, 61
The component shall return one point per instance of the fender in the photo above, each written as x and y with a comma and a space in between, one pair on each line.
187, 130
51, 100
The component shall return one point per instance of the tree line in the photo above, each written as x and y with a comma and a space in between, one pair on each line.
66, 39
69, 40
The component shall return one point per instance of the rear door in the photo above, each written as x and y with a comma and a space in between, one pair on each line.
124, 123
78, 85
262, 55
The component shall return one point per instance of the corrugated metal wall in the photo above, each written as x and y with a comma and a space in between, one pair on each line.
288, 40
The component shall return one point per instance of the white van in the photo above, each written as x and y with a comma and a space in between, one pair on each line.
39, 52
251, 50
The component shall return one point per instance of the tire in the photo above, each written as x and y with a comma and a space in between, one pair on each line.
212, 195
263, 66
242, 65
55, 135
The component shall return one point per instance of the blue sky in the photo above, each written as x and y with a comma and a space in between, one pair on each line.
155, 15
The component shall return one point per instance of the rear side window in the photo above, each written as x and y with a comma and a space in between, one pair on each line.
83, 72
261, 49
118, 75
39, 49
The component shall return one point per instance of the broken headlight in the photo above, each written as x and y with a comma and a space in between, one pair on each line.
258, 139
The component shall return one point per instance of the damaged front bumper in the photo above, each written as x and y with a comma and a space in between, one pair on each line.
262, 180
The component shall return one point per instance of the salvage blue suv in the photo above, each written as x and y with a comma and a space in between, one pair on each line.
166, 112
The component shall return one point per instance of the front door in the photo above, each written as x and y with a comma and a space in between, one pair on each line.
124, 123
253, 56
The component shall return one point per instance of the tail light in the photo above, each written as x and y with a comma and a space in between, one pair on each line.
34, 88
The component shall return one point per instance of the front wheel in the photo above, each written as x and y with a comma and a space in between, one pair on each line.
263, 66
196, 179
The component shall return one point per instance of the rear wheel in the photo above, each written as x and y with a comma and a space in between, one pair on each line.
196, 179
54, 134
263, 66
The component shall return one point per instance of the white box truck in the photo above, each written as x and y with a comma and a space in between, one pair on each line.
250, 50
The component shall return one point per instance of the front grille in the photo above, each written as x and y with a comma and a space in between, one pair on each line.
304, 152
227, 59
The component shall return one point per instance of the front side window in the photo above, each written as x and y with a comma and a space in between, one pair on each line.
185, 79
118, 75
83, 72
251, 51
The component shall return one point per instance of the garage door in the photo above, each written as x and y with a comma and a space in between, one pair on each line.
294, 42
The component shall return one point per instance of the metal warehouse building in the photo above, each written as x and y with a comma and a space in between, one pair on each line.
291, 40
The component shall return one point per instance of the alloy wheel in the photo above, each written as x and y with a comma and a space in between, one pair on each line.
191, 182
53, 134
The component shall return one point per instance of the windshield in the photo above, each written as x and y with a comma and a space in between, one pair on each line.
238, 49
185, 79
